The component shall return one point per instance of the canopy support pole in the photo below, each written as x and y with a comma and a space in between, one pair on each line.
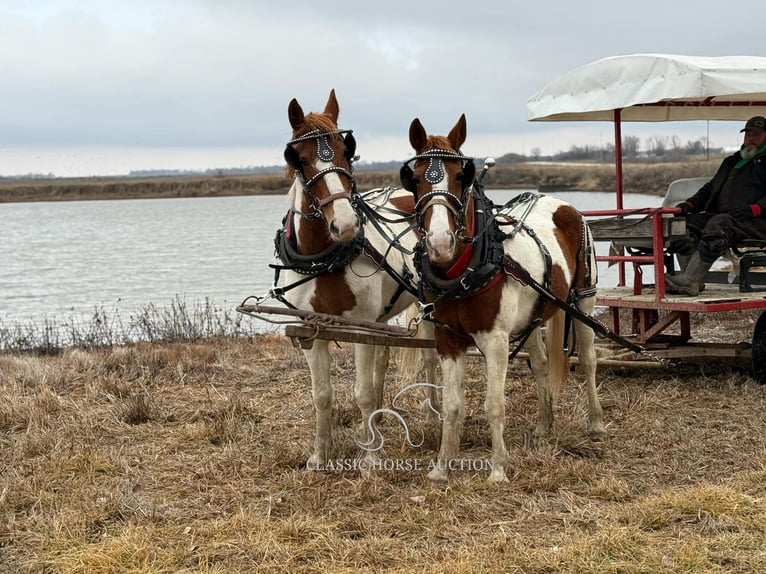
618, 179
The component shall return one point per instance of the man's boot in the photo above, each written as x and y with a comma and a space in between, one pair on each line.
688, 282
683, 263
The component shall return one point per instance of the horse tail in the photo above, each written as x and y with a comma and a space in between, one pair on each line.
558, 363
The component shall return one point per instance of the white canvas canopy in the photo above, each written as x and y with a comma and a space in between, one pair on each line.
655, 88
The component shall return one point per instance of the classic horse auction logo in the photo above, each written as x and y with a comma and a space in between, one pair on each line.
375, 433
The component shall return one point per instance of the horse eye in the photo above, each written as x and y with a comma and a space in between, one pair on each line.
304, 161
459, 176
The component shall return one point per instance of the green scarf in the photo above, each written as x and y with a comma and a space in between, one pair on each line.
743, 161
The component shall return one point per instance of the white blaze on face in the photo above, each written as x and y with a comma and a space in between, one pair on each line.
440, 240
344, 225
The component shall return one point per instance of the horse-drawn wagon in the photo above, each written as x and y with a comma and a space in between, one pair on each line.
653, 88
647, 88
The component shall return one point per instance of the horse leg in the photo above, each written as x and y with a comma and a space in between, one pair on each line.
586, 356
453, 373
366, 393
410, 363
382, 355
539, 362
318, 358
431, 404
494, 347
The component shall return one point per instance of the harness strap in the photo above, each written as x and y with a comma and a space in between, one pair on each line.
518, 272
521, 339
308, 184
404, 280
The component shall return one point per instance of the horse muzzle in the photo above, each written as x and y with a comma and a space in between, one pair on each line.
440, 246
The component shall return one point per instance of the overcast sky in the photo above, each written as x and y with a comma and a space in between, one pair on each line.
100, 87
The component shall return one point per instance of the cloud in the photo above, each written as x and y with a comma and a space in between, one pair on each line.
220, 73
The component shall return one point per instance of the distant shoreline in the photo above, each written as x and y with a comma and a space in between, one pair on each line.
638, 178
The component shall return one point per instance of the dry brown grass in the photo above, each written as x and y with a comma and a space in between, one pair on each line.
189, 457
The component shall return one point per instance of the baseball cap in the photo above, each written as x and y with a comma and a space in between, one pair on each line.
755, 123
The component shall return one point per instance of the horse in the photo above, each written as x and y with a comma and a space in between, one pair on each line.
339, 260
477, 279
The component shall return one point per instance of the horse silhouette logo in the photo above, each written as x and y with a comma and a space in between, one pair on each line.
376, 435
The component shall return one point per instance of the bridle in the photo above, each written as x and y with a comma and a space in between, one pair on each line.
434, 174
325, 152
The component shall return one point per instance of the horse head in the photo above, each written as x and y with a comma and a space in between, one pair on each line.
441, 179
321, 155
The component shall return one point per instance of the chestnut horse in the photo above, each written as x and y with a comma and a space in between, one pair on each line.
337, 262
477, 265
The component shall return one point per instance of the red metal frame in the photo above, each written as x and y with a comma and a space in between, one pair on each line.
652, 314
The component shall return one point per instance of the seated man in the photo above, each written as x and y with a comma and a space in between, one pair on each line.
729, 208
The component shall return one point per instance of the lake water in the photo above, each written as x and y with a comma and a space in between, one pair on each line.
64, 258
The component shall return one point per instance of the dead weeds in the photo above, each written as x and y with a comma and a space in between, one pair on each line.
190, 457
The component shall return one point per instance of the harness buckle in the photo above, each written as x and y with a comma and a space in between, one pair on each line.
426, 311
464, 283
276, 292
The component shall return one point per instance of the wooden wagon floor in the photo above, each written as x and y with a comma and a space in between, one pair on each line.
713, 293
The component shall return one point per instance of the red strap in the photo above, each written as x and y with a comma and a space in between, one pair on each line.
457, 268
460, 264
756, 209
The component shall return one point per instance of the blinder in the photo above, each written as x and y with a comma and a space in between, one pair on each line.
469, 173
324, 150
435, 171
292, 158
350, 142
407, 177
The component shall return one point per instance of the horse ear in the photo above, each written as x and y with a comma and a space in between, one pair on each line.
292, 158
418, 136
457, 134
332, 109
350, 142
295, 114
407, 177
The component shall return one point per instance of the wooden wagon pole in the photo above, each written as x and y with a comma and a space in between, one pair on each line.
336, 328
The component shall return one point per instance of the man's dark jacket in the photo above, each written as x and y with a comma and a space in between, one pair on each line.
744, 186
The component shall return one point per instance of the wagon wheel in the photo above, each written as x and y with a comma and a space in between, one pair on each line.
759, 349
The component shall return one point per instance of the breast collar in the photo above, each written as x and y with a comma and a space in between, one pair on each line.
333, 257
478, 267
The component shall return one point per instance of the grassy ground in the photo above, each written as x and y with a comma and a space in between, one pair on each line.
189, 457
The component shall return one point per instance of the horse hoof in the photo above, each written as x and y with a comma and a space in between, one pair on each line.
315, 462
537, 438
597, 434
438, 475
498, 475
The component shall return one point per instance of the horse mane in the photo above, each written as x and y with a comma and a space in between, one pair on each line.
316, 121
438, 142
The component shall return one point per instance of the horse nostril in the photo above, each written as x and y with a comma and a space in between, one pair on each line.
334, 229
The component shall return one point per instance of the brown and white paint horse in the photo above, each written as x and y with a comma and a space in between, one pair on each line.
322, 224
441, 179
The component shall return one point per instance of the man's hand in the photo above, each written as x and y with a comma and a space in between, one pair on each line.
685, 208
